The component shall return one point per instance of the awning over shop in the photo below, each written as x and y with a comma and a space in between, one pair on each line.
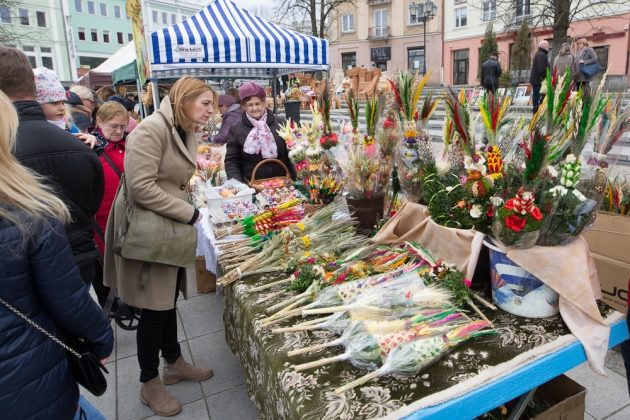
118, 68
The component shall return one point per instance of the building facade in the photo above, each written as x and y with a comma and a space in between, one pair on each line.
101, 27
465, 23
39, 30
388, 34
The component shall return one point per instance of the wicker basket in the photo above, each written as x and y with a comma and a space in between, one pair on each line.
257, 184
312, 208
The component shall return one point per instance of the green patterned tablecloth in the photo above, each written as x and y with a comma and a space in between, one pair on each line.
281, 393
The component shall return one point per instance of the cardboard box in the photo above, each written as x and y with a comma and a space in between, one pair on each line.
609, 241
206, 281
613, 278
566, 396
610, 236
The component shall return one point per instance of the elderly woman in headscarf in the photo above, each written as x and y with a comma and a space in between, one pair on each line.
255, 138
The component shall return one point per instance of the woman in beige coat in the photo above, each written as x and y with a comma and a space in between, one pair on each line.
159, 161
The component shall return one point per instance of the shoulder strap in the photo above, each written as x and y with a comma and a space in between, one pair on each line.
113, 165
39, 328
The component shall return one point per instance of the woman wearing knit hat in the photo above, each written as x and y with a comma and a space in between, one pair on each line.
255, 138
51, 95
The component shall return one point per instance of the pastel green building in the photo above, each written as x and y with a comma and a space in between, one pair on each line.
40, 29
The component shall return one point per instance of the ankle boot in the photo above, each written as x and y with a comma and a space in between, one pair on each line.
184, 371
154, 394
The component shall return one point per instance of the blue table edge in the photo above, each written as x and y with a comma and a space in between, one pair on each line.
513, 385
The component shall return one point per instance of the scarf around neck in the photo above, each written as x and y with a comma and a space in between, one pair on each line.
260, 139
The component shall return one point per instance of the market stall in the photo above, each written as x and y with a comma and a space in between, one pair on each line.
224, 41
478, 279
119, 68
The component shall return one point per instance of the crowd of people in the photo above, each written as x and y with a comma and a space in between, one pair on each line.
65, 156
490, 73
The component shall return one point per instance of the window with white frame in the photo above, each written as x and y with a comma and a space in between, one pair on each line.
81, 32
173, 18
522, 8
489, 10
117, 12
461, 17
94, 35
119, 36
103, 8
47, 57
380, 22
78, 6
347, 23
129, 37
164, 18
154, 16
415, 58
416, 13
106, 37
29, 51
5, 14
23, 14
41, 19
91, 7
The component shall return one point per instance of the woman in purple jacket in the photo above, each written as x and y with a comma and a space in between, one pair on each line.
231, 113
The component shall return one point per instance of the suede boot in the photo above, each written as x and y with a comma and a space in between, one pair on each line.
184, 371
154, 394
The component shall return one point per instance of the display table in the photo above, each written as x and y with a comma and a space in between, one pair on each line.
207, 243
470, 380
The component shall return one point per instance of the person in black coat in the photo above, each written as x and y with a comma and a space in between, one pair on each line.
70, 167
255, 139
490, 73
39, 278
539, 72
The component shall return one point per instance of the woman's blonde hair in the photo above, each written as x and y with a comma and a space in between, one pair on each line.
82, 92
20, 188
583, 41
109, 110
183, 95
105, 92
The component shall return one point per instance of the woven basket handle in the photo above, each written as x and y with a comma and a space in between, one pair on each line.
262, 162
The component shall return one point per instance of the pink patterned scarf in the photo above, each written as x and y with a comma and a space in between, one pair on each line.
260, 139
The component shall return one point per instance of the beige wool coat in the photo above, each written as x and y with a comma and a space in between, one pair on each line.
158, 167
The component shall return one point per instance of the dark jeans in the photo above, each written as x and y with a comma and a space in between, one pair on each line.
536, 98
157, 331
625, 353
490, 88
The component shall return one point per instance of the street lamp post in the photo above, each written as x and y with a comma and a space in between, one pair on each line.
424, 13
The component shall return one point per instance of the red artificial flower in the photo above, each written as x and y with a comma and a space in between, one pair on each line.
509, 205
490, 212
310, 260
536, 214
467, 282
388, 123
416, 116
515, 223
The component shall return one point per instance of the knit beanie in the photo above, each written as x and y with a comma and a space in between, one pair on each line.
48, 87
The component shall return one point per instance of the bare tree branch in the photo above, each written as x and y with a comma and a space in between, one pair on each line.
317, 12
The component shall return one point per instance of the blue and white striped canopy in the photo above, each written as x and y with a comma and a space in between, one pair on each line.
223, 40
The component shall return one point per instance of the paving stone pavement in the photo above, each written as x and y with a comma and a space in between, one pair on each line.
223, 397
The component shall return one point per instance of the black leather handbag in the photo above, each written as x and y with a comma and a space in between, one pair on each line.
86, 367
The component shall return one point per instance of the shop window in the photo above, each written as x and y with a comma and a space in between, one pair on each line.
348, 60
602, 56
415, 58
460, 67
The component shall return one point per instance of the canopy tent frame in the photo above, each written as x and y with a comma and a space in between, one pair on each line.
223, 41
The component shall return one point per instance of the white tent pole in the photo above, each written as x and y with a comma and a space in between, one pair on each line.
274, 92
156, 94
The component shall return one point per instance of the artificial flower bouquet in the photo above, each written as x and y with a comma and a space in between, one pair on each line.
617, 196
518, 221
414, 158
